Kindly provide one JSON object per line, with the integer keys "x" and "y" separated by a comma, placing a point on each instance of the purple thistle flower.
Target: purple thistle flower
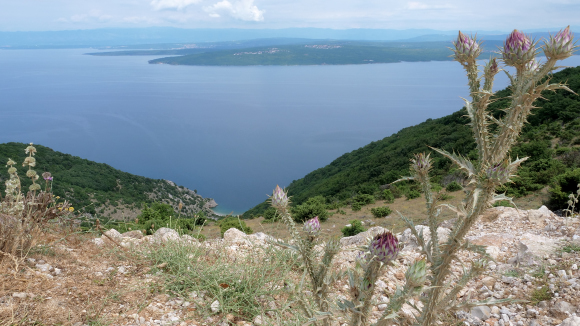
{"x": 279, "y": 198}
{"x": 465, "y": 48}
{"x": 312, "y": 226}
{"x": 561, "y": 46}
{"x": 492, "y": 66}
{"x": 533, "y": 66}
{"x": 518, "y": 49}
{"x": 384, "y": 247}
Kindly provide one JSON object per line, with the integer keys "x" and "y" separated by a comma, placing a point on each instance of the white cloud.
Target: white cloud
{"x": 240, "y": 9}
{"x": 173, "y": 4}
{"x": 413, "y": 5}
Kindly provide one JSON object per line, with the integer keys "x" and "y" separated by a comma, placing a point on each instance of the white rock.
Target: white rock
{"x": 234, "y": 235}
{"x": 571, "y": 321}
{"x": 165, "y": 234}
{"x": 113, "y": 234}
{"x": 44, "y": 267}
{"x": 493, "y": 251}
{"x": 20, "y": 295}
{"x": 98, "y": 241}
{"x": 574, "y": 267}
{"x": 57, "y": 271}
{"x": 531, "y": 245}
{"x": 411, "y": 242}
{"x": 481, "y": 312}
{"x": 362, "y": 238}
{"x": 382, "y": 307}
{"x": 215, "y": 306}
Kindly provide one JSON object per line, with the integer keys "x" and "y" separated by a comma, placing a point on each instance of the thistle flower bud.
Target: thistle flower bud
{"x": 279, "y": 198}
{"x": 518, "y": 49}
{"x": 498, "y": 173}
{"x": 384, "y": 247}
{"x": 30, "y": 149}
{"x": 491, "y": 68}
{"x": 466, "y": 48}
{"x": 561, "y": 46}
{"x": 29, "y": 161}
{"x": 421, "y": 163}
{"x": 416, "y": 275}
{"x": 312, "y": 226}
{"x": 533, "y": 66}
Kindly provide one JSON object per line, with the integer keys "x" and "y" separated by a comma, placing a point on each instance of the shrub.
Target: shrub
{"x": 412, "y": 194}
{"x": 364, "y": 199}
{"x": 151, "y": 226}
{"x": 354, "y": 228}
{"x": 453, "y": 186}
{"x": 313, "y": 207}
{"x": 234, "y": 222}
{"x": 356, "y": 206}
{"x": 270, "y": 214}
{"x": 396, "y": 192}
{"x": 381, "y": 211}
{"x": 503, "y": 203}
{"x": 388, "y": 196}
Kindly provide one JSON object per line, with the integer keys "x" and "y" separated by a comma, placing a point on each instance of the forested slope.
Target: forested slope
{"x": 551, "y": 140}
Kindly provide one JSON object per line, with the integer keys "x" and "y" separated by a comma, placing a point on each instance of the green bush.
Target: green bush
{"x": 397, "y": 193}
{"x": 503, "y": 203}
{"x": 151, "y": 226}
{"x": 354, "y": 228}
{"x": 313, "y": 207}
{"x": 412, "y": 194}
{"x": 564, "y": 185}
{"x": 388, "y": 196}
{"x": 381, "y": 211}
{"x": 185, "y": 224}
{"x": 234, "y": 222}
{"x": 271, "y": 214}
{"x": 356, "y": 206}
{"x": 364, "y": 199}
{"x": 453, "y": 186}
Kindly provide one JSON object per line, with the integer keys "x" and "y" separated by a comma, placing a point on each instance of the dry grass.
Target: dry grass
{"x": 413, "y": 209}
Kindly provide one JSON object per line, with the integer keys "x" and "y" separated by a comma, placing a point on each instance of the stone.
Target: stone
{"x": 536, "y": 246}
{"x": 491, "y": 239}
{"x": 98, "y": 241}
{"x": 481, "y": 312}
{"x": 571, "y": 321}
{"x": 135, "y": 234}
{"x": 260, "y": 236}
{"x": 382, "y": 307}
{"x": 234, "y": 235}
{"x": 113, "y": 234}
{"x": 488, "y": 281}
{"x": 21, "y": 295}
{"x": 361, "y": 238}
{"x": 538, "y": 216}
{"x": 165, "y": 234}
{"x": 493, "y": 251}
{"x": 411, "y": 242}
{"x": 562, "y": 309}
{"x": 44, "y": 267}
{"x": 215, "y": 306}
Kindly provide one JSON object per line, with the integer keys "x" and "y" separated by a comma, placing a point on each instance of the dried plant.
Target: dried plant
{"x": 22, "y": 216}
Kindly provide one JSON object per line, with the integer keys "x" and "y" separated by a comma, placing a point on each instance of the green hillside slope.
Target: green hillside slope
{"x": 97, "y": 188}
{"x": 551, "y": 139}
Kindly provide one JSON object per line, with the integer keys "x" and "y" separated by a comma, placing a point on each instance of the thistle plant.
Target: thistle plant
{"x": 316, "y": 267}
{"x": 494, "y": 138}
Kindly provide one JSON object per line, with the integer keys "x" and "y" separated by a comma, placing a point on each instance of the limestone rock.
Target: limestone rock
{"x": 481, "y": 312}
{"x": 136, "y": 234}
{"x": 571, "y": 321}
{"x": 112, "y": 233}
{"x": 411, "y": 242}
{"x": 562, "y": 309}
{"x": 165, "y": 234}
{"x": 234, "y": 235}
{"x": 362, "y": 238}
{"x": 532, "y": 245}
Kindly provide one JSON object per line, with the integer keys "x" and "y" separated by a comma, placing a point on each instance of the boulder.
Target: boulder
{"x": 135, "y": 234}
{"x": 538, "y": 216}
{"x": 562, "y": 309}
{"x": 495, "y": 213}
{"x": 536, "y": 246}
{"x": 112, "y": 233}
{"x": 234, "y": 235}
{"x": 362, "y": 238}
{"x": 260, "y": 236}
{"x": 571, "y": 321}
{"x": 165, "y": 234}
{"x": 411, "y": 242}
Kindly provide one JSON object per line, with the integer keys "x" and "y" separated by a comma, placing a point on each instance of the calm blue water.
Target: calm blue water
{"x": 232, "y": 133}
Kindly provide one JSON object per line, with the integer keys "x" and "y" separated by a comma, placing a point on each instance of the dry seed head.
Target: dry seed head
{"x": 10, "y": 162}
{"x": 30, "y": 149}
{"x": 31, "y": 173}
{"x": 34, "y": 186}
{"x": 29, "y": 161}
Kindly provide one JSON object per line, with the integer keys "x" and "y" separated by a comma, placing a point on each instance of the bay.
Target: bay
{"x": 231, "y": 133}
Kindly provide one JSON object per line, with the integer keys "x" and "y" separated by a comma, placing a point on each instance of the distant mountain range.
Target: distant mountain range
{"x": 114, "y": 37}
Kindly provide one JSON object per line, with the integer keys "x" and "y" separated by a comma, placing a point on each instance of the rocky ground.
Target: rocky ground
{"x": 76, "y": 280}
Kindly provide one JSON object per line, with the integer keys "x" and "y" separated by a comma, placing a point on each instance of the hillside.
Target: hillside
{"x": 551, "y": 139}
{"x": 97, "y": 188}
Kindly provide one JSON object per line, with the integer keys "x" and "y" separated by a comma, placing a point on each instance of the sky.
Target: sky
{"x": 497, "y": 15}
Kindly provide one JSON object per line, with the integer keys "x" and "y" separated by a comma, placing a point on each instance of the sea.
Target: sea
{"x": 231, "y": 133}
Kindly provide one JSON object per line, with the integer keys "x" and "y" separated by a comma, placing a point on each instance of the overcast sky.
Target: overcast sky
{"x": 490, "y": 15}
